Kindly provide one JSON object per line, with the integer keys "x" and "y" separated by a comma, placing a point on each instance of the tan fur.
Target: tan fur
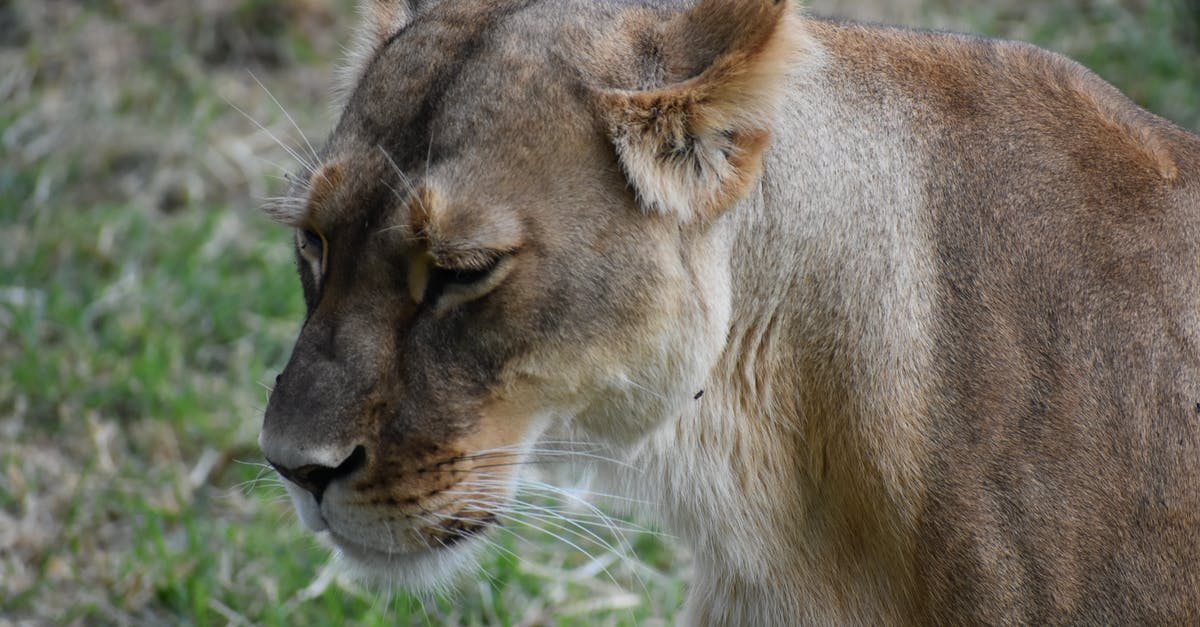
{"x": 720, "y": 118}
{"x": 380, "y": 19}
{"x": 940, "y": 294}
{"x": 324, "y": 185}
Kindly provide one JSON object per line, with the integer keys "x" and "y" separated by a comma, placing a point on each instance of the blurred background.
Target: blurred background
{"x": 145, "y": 304}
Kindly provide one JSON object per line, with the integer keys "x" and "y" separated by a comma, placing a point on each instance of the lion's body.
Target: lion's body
{"x": 967, "y": 390}
{"x": 945, "y": 322}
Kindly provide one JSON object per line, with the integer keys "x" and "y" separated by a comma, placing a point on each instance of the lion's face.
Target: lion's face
{"x": 483, "y": 265}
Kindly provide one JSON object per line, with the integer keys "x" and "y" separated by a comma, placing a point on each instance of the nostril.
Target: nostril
{"x": 316, "y": 477}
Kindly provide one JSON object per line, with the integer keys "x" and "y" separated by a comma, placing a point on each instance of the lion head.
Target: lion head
{"x": 515, "y": 230}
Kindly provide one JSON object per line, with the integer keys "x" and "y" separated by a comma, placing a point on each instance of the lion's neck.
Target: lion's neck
{"x": 796, "y": 477}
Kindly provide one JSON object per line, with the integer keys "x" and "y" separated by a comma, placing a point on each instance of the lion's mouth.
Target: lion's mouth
{"x": 455, "y": 531}
{"x": 447, "y": 535}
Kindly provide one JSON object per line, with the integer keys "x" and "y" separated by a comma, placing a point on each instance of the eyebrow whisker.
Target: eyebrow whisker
{"x": 311, "y": 150}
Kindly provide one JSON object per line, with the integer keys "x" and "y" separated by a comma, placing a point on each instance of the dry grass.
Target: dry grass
{"x": 142, "y": 299}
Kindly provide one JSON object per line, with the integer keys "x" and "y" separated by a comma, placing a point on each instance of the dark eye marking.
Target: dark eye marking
{"x": 460, "y": 276}
{"x": 441, "y": 278}
{"x": 311, "y": 243}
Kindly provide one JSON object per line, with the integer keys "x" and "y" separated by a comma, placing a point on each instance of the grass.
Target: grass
{"x": 1148, "y": 48}
{"x": 144, "y": 301}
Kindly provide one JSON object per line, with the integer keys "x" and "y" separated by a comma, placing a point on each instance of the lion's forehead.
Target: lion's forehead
{"x": 441, "y": 83}
{"x": 469, "y": 77}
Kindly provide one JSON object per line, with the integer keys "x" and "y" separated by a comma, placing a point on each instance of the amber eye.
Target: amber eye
{"x": 311, "y": 252}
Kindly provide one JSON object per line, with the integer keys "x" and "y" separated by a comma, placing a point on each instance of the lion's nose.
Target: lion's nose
{"x": 315, "y": 477}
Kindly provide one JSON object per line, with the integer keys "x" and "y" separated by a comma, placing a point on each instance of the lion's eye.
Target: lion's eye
{"x": 311, "y": 245}
{"x": 310, "y": 248}
{"x": 461, "y": 276}
{"x": 448, "y": 287}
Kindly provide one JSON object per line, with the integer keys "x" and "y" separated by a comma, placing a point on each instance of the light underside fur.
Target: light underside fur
{"x": 726, "y": 470}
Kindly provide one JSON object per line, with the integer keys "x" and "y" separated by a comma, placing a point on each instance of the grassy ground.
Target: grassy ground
{"x": 143, "y": 302}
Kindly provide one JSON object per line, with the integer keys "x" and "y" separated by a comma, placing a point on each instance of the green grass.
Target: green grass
{"x": 144, "y": 303}
{"x": 1150, "y": 49}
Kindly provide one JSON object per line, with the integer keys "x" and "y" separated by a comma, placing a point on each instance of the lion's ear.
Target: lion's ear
{"x": 378, "y": 21}
{"x": 694, "y": 146}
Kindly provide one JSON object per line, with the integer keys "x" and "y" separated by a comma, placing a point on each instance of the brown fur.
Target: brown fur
{"x": 940, "y": 292}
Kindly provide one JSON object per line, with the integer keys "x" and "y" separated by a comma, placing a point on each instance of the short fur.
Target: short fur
{"x": 940, "y": 294}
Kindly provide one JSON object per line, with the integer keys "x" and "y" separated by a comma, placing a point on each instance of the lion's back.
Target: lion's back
{"x": 1061, "y": 224}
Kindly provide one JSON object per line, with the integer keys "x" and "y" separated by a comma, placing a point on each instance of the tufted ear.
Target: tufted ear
{"x": 694, "y": 146}
{"x": 378, "y": 21}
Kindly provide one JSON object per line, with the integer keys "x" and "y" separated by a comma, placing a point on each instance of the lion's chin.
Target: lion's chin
{"x": 420, "y": 571}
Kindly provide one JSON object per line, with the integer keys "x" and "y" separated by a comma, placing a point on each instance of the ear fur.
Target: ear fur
{"x": 692, "y": 148}
{"x": 378, "y": 21}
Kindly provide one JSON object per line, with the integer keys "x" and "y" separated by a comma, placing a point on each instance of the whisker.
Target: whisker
{"x": 592, "y": 514}
{"x": 639, "y": 386}
{"x": 265, "y": 475}
{"x": 548, "y": 515}
{"x": 249, "y": 463}
{"x": 308, "y": 167}
{"x": 603, "y": 518}
{"x": 623, "y": 549}
{"x": 440, "y": 518}
{"x": 572, "y": 494}
{"x": 400, "y": 173}
{"x": 560, "y": 538}
{"x": 543, "y": 452}
{"x": 562, "y": 447}
{"x": 429, "y": 151}
{"x": 285, "y": 174}
{"x": 525, "y": 462}
{"x": 545, "y": 513}
{"x": 311, "y": 150}
{"x": 407, "y": 182}
{"x": 290, "y": 200}
{"x": 605, "y": 521}
{"x": 512, "y": 514}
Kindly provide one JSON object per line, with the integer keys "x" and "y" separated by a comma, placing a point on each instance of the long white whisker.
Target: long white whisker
{"x": 400, "y": 173}
{"x": 265, "y": 475}
{"x": 623, "y": 549}
{"x": 560, "y": 538}
{"x": 626, "y": 549}
{"x": 436, "y": 522}
{"x": 581, "y": 517}
{"x": 596, "y": 516}
{"x": 570, "y": 525}
{"x": 429, "y": 151}
{"x": 528, "y": 509}
{"x": 308, "y": 167}
{"x": 284, "y": 171}
{"x": 288, "y": 200}
{"x": 639, "y": 386}
{"x": 546, "y": 452}
{"x": 311, "y": 150}
{"x": 408, "y": 184}
{"x": 573, "y": 494}
{"x": 243, "y": 462}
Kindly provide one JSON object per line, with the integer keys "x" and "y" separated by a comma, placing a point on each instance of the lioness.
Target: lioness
{"x": 941, "y": 296}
